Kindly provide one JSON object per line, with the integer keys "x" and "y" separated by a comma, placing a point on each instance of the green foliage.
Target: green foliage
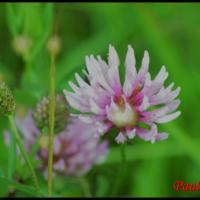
{"x": 170, "y": 33}
{"x": 33, "y": 20}
{"x": 13, "y": 185}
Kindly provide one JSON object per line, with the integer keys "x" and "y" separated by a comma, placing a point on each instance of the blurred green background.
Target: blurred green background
{"x": 171, "y": 34}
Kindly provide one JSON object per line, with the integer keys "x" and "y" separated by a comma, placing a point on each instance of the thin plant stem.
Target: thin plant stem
{"x": 123, "y": 155}
{"x": 23, "y": 150}
{"x": 120, "y": 177}
{"x": 85, "y": 186}
{"x": 51, "y": 122}
{"x": 12, "y": 156}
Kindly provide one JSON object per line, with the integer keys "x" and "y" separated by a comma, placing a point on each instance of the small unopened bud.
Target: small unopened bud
{"x": 22, "y": 44}
{"x": 41, "y": 114}
{"x": 7, "y": 103}
{"x": 54, "y": 45}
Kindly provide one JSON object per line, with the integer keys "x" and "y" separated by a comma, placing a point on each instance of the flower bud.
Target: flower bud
{"x": 22, "y": 44}
{"x": 7, "y": 103}
{"x": 41, "y": 114}
{"x": 54, "y": 45}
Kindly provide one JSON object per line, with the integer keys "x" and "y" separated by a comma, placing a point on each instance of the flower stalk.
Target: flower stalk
{"x": 51, "y": 122}
{"x": 85, "y": 186}
{"x": 12, "y": 156}
{"x": 121, "y": 172}
{"x": 7, "y": 108}
{"x": 23, "y": 150}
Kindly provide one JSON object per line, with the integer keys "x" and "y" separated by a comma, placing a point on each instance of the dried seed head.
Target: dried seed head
{"x": 54, "y": 45}
{"x": 22, "y": 44}
{"x": 7, "y": 103}
{"x": 41, "y": 114}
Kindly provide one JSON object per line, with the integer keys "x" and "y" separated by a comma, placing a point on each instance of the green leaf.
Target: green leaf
{"x": 47, "y": 28}
{"x": 102, "y": 186}
{"x": 146, "y": 151}
{"x": 34, "y": 20}
{"x": 189, "y": 145}
{"x": 12, "y": 19}
{"x": 15, "y": 185}
{"x": 147, "y": 171}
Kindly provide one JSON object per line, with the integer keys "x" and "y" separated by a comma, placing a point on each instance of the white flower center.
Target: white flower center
{"x": 122, "y": 116}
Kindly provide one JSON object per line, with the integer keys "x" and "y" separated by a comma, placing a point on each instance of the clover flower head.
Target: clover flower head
{"x": 75, "y": 148}
{"x": 7, "y": 102}
{"x": 134, "y": 107}
{"x": 41, "y": 113}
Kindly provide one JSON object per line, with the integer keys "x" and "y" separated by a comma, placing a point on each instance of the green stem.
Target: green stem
{"x": 51, "y": 123}
{"x": 29, "y": 78}
{"x": 23, "y": 150}
{"x": 120, "y": 177}
{"x": 12, "y": 156}
{"x": 85, "y": 186}
{"x": 123, "y": 155}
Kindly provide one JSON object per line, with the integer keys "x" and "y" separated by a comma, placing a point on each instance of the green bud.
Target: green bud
{"x": 7, "y": 102}
{"x": 22, "y": 44}
{"x": 54, "y": 45}
{"x": 41, "y": 114}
